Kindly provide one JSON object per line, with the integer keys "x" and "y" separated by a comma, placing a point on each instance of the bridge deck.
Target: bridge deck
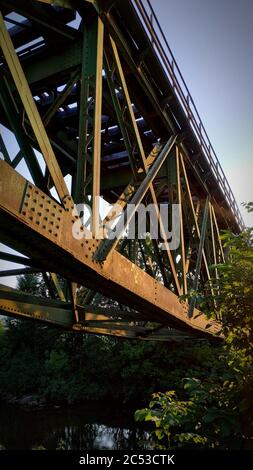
{"x": 138, "y": 99}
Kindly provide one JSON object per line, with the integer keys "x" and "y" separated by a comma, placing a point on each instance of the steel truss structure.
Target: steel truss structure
{"x": 93, "y": 86}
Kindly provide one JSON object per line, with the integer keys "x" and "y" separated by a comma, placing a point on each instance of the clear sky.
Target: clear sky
{"x": 212, "y": 41}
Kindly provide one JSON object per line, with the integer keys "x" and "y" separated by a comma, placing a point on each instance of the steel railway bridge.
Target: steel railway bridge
{"x": 94, "y": 87}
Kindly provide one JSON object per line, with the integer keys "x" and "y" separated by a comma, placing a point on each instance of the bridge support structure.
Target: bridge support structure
{"x": 85, "y": 101}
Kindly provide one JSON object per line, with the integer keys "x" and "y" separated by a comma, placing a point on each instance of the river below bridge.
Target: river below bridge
{"x": 84, "y": 427}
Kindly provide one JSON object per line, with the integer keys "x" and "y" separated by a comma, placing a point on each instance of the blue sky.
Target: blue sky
{"x": 212, "y": 41}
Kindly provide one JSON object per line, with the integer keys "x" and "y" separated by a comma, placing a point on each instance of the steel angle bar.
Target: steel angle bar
{"x": 96, "y": 156}
{"x": 143, "y": 158}
{"x": 128, "y": 192}
{"x": 218, "y": 235}
{"x": 17, "y": 159}
{"x": 32, "y": 111}
{"x": 182, "y": 244}
{"x": 108, "y": 245}
{"x": 193, "y": 211}
{"x": 15, "y": 304}
{"x": 4, "y": 151}
{"x": 119, "y": 114}
{"x": 199, "y": 256}
{"x": 60, "y": 99}
{"x": 19, "y": 271}
{"x": 15, "y": 122}
{"x": 213, "y": 240}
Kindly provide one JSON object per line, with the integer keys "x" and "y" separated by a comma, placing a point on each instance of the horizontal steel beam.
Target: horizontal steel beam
{"x": 93, "y": 319}
{"x": 30, "y": 213}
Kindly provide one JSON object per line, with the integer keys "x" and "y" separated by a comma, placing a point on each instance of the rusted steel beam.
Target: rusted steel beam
{"x": 26, "y": 210}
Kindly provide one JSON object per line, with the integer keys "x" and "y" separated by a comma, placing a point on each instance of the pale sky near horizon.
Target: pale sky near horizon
{"x": 212, "y": 41}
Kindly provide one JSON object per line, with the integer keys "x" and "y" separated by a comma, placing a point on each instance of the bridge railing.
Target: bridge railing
{"x": 164, "y": 53}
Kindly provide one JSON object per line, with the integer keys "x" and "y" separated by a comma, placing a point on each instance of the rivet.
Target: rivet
{"x": 24, "y": 212}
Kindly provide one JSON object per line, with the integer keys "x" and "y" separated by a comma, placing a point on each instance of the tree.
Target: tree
{"x": 216, "y": 410}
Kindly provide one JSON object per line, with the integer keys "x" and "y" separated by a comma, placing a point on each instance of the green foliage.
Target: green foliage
{"x": 215, "y": 409}
{"x": 204, "y": 417}
{"x": 32, "y": 284}
{"x": 71, "y": 367}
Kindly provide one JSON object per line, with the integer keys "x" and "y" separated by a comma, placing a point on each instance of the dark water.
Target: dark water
{"x": 85, "y": 427}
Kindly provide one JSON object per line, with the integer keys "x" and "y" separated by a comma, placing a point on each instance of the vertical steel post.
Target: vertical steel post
{"x": 96, "y": 156}
{"x": 199, "y": 256}
{"x": 218, "y": 236}
{"x": 182, "y": 245}
{"x": 91, "y": 92}
{"x": 213, "y": 239}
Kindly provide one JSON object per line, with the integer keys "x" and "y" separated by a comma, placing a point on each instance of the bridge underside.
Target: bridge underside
{"x": 89, "y": 88}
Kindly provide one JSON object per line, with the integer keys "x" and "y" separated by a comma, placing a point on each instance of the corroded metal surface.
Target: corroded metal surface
{"x": 92, "y": 88}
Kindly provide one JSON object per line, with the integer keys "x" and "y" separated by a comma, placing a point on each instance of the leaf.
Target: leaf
{"x": 140, "y": 415}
